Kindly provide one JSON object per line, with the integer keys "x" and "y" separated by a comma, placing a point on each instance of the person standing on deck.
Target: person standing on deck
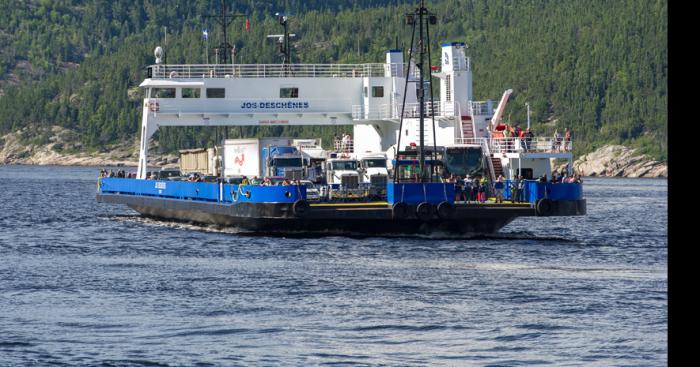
{"x": 514, "y": 190}
{"x": 483, "y": 188}
{"x": 528, "y": 139}
{"x": 498, "y": 188}
{"x": 467, "y": 191}
{"x": 475, "y": 189}
{"x": 458, "y": 187}
{"x": 567, "y": 140}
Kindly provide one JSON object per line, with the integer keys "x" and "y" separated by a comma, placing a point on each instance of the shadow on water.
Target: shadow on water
{"x": 183, "y": 225}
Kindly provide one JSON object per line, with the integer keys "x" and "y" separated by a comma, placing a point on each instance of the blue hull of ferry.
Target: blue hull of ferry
{"x": 284, "y": 210}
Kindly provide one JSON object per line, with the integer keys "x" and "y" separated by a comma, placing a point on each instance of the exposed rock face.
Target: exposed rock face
{"x": 619, "y": 161}
{"x": 14, "y": 151}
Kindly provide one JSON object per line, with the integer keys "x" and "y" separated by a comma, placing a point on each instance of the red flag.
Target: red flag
{"x": 247, "y": 24}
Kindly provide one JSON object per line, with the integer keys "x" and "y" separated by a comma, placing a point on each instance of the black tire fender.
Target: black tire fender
{"x": 300, "y": 208}
{"x": 424, "y": 211}
{"x": 544, "y": 207}
{"x": 399, "y": 210}
{"x": 445, "y": 210}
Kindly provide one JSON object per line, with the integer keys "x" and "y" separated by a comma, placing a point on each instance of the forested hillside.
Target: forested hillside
{"x": 599, "y": 67}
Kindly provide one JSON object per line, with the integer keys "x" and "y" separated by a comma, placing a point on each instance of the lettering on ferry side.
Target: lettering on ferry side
{"x": 160, "y": 185}
{"x": 274, "y": 105}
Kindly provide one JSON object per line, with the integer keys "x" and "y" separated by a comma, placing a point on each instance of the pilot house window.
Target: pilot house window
{"x": 377, "y": 91}
{"x": 191, "y": 92}
{"x": 162, "y": 92}
{"x": 216, "y": 92}
{"x": 289, "y": 92}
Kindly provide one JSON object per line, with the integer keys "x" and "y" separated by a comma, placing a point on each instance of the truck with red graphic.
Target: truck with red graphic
{"x": 262, "y": 157}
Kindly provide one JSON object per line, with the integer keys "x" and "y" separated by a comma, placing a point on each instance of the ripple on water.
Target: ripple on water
{"x": 84, "y": 283}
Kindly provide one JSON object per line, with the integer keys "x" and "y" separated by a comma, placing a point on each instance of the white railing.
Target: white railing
{"x": 344, "y": 146}
{"x": 533, "y": 145}
{"x": 198, "y": 71}
{"x": 479, "y": 108}
{"x": 471, "y": 141}
{"x": 519, "y": 145}
{"x": 411, "y": 110}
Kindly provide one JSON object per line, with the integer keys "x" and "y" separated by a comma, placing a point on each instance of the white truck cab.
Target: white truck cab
{"x": 343, "y": 172}
{"x": 374, "y": 173}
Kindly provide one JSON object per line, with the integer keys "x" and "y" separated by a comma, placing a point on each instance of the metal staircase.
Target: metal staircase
{"x": 467, "y": 128}
{"x": 497, "y": 168}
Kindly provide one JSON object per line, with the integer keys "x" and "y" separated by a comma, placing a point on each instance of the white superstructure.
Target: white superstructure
{"x": 368, "y": 96}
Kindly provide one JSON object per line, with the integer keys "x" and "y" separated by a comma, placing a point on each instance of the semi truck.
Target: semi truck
{"x": 374, "y": 173}
{"x": 343, "y": 178}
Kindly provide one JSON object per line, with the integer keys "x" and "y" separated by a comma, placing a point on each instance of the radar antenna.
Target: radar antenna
{"x": 283, "y": 39}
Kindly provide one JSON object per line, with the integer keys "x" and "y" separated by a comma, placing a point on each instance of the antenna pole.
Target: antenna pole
{"x": 403, "y": 104}
{"x": 421, "y": 92}
{"x": 224, "y": 20}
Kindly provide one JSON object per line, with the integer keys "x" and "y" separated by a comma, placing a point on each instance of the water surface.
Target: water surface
{"x": 85, "y": 283}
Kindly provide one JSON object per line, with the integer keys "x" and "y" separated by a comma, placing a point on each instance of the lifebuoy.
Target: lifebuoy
{"x": 445, "y": 210}
{"x": 300, "y": 207}
{"x": 544, "y": 207}
{"x": 399, "y": 210}
{"x": 154, "y": 106}
{"x": 424, "y": 211}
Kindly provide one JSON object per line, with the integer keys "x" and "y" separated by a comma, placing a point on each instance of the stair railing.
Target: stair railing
{"x": 487, "y": 153}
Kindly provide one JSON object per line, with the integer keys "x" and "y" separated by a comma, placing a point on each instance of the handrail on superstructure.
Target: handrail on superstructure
{"x": 532, "y": 145}
{"x": 487, "y": 153}
{"x": 205, "y": 71}
{"x": 392, "y": 111}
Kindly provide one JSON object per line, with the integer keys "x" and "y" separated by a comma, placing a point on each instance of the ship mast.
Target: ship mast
{"x": 283, "y": 42}
{"x": 421, "y": 13}
{"x": 224, "y": 21}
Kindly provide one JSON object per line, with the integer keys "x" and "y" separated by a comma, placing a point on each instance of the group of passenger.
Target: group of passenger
{"x": 266, "y": 181}
{"x": 478, "y": 188}
{"x": 117, "y": 174}
{"x": 558, "y": 139}
{"x": 560, "y": 143}
{"x": 561, "y": 178}
{"x": 473, "y": 189}
{"x": 524, "y": 136}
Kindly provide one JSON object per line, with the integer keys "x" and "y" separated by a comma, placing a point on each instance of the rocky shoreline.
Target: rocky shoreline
{"x": 608, "y": 161}
{"x": 618, "y": 161}
{"x": 62, "y": 150}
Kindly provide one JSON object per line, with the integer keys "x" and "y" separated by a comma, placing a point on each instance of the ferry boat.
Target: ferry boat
{"x": 426, "y": 142}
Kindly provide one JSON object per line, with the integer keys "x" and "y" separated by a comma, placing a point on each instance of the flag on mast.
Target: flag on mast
{"x": 247, "y": 24}
{"x": 205, "y": 34}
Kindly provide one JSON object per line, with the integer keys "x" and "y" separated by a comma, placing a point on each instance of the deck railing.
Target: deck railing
{"x": 393, "y": 111}
{"x": 532, "y": 145}
{"x": 198, "y": 71}
{"x": 520, "y": 145}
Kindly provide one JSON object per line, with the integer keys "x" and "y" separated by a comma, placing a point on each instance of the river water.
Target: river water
{"x": 84, "y": 283}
